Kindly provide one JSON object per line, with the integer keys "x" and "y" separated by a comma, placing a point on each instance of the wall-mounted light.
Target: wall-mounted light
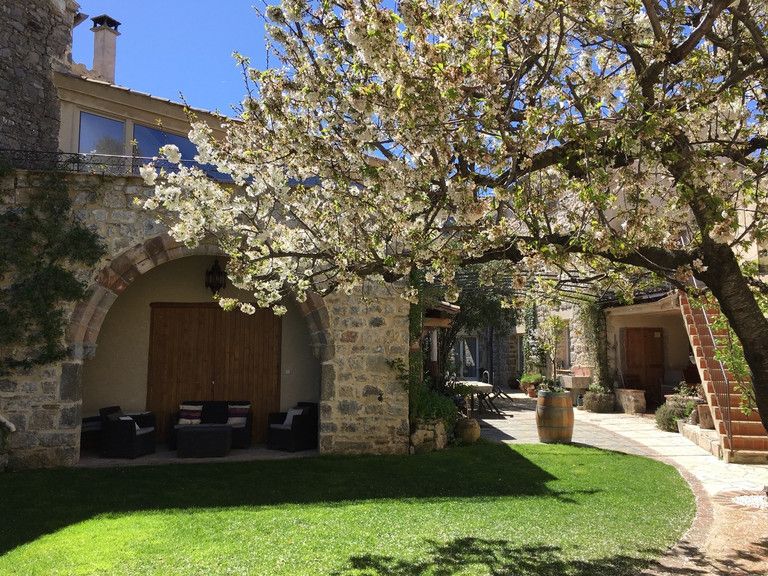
{"x": 215, "y": 278}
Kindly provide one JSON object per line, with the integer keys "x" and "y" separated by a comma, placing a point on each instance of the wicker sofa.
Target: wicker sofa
{"x": 215, "y": 412}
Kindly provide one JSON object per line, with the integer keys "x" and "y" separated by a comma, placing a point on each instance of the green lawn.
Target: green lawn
{"x": 485, "y": 509}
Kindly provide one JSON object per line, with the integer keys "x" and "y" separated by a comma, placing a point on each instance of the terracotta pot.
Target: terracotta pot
{"x": 467, "y": 430}
{"x": 531, "y": 391}
{"x": 554, "y": 417}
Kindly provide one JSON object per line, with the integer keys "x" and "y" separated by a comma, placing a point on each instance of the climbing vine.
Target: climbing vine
{"x": 592, "y": 321}
{"x": 41, "y": 244}
{"x": 534, "y": 355}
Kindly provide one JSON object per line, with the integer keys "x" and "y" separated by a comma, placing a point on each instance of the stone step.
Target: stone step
{"x": 701, "y": 340}
{"x": 719, "y": 387}
{"x": 745, "y": 456}
{"x": 743, "y": 428}
{"x": 712, "y": 372}
{"x": 736, "y": 415}
{"x": 722, "y": 400}
{"x": 756, "y": 443}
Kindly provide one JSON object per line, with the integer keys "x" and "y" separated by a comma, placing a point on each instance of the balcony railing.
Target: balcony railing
{"x": 101, "y": 164}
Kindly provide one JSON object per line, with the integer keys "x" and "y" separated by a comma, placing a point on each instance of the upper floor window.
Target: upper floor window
{"x": 100, "y": 135}
{"x": 147, "y": 141}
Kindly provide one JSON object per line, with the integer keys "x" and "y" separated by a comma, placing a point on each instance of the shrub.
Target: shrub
{"x": 530, "y": 378}
{"x": 666, "y": 418}
{"x": 668, "y": 414}
{"x": 597, "y": 388}
{"x": 428, "y": 404}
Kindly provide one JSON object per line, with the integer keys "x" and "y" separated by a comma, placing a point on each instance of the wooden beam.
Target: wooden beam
{"x": 437, "y": 322}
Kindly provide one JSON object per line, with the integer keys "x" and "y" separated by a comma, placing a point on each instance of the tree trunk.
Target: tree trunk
{"x": 730, "y": 288}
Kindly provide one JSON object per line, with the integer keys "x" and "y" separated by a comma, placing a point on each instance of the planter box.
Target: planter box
{"x": 600, "y": 403}
{"x": 576, "y": 385}
{"x": 631, "y": 401}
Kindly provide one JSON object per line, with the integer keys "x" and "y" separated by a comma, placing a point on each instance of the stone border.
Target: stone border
{"x": 688, "y": 552}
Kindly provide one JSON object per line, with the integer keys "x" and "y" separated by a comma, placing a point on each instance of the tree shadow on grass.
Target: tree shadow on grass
{"x": 496, "y": 557}
{"x": 34, "y": 503}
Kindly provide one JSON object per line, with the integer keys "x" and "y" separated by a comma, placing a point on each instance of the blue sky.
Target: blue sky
{"x": 174, "y": 46}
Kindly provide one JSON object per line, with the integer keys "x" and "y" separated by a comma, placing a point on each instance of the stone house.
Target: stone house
{"x": 148, "y": 335}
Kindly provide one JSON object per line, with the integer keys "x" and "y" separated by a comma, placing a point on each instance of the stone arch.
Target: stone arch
{"x": 89, "y": 314}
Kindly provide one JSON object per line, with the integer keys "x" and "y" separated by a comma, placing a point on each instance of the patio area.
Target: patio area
{"x": 730, "y": 533}
{"x": 164, "y": 455}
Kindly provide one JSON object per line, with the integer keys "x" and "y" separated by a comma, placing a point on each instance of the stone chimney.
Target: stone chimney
{"x": 105, "y": 46}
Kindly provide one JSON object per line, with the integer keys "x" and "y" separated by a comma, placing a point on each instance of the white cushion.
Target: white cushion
{"x": 132, "y": 420}
{"x": 291, "y": 413}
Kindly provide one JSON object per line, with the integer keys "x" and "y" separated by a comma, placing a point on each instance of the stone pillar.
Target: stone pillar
{"x": 363, "y": 405}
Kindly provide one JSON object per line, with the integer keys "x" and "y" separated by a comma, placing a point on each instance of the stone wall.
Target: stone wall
{"x": 45, "y": 403}
{"x": 35, "y": 37}
{"x": 364, "y": 408}
{"x": 505, "y": 359}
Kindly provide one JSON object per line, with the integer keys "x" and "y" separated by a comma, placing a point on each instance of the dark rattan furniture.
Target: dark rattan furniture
{"x": 215, "y": 412}
{"x": 301, "y": 434}
{"x": 203, "y": 440}
{"x": 126, "y": 435}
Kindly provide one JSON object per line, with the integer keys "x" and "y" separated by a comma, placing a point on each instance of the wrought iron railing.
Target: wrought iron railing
{"x": 72, "y": 162}
{"x": 102, "y": 164}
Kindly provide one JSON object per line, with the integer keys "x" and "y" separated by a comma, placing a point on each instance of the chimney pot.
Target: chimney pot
{"x": 105, "y": 20}
{"x": 105, "y": 46}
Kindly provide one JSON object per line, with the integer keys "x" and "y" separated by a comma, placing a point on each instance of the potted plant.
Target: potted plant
{"x": 599, "y": 399}
{"x": 530, "y": 381}
{"x": 554, "y": 413}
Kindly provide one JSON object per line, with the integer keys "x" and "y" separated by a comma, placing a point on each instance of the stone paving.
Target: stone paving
{"x": 725, "y": 539}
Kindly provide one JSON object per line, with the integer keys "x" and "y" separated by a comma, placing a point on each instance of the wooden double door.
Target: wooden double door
{"x": 201, "y": 352}
{"x": 644, "y": 362}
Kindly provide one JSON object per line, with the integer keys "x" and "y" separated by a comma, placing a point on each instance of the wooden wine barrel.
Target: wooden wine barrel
{"x": 554, "y": 417}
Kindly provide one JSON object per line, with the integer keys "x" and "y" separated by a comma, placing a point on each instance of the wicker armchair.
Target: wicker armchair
{"x": 299, "y": 434}
{"x": 126, "y": 436}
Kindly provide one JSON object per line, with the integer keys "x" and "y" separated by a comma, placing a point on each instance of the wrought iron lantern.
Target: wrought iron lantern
{"x": 215, "y": 278}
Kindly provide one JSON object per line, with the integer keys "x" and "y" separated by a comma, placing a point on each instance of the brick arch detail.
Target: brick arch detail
{"x": 112, "y": 280}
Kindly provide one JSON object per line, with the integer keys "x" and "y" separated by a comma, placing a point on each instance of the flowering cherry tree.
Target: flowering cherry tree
{"x": 587, "y": 138}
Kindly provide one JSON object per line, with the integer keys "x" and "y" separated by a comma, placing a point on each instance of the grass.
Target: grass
{"x": 485, "y": 509}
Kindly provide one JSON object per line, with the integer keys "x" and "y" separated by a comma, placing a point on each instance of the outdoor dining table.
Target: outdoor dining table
{"x": 484, "y": 393}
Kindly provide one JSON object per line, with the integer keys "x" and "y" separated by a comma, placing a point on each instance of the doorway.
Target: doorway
{"x": 197, "y": 351}
{"x": 644, "y": 362}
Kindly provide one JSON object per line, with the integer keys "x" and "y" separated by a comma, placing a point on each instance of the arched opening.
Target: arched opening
{"x": 113, "y": 333}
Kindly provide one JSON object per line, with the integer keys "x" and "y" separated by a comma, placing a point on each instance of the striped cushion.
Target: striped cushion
{"x": 238, "y": 414}
{"x": 190, "y": 413}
